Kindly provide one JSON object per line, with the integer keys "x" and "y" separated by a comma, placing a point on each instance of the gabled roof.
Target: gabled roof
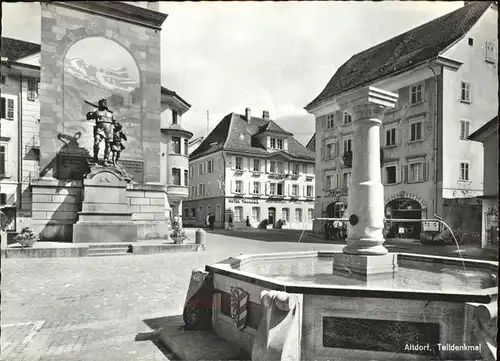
{"x": 480, "y": 134}
{"x": 311, "y": 144}
{"x": 14, "y": 49}
{"x": 234, "y": 133}
{"x": 402, "y": 52}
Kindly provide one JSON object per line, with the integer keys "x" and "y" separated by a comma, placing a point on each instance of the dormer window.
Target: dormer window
{"x": 276, "y": 143}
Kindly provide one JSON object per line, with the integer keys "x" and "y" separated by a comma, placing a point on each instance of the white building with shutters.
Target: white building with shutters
{"x": 251, "y": 168}
{"x": 447, "y": 84}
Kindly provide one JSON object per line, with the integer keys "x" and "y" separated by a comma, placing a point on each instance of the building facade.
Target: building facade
{"x": 446, "y": 89}
{"x": 488, "y": 136}
{"x": 194, "y": 143}
{"x": 250, "y": 168}
{"x": 46, "y": 140}
{"x": 175, "y": 151}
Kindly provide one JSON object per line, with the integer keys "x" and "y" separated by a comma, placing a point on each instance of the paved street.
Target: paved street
{"x": 93, "y": 308}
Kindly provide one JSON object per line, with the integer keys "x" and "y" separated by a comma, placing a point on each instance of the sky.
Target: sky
{"x": 223, "y": 57}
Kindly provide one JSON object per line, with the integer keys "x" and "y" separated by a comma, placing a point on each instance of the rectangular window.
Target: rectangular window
{"x": 210, "y": 165}
{"x": 272, "y": 143}
{"x": 295, "y": 190}
{"x": 416, "y": 172}
{"x": 330, "y": 121}
{"x": 272, "y": 188}
{"x": 310, "y": 213}
{"x": 256, "y": 165}
{"x": 176, "y": 176}
{"x": 256, "y": 188}
{"x": 329, "y": 150}
{"x": 175, "y": 115}
{"x": 2, "y": 79}
{"x": 200, "y": 169}
{"x": 238, "y": 187}
{"x": 347, "y": 145}
{"x": 186, "y": 147}
{"x": 465, "y": 92}
{"x": 285, "y": 214}
{"x": 464, "y": 171}
{"x": 176, "y": 145}
{"x": 256, "y": 214}
{"x": 416, "y": 94}
{"x": 309, "y": 191}
{"x": 186, "y": 178}
{"x": 415, "y": 131}
{"x": 193, "y": 212}
{"x": 347, "y": 118}
{"x": 304, "y": 168}
{"x": 329, "y": 182}
{"x": 7, "y": 108}
{"x": 298, "y": 215}
{"x": 279, "y": 189}
{"x": 390, "y": 137}
{"x": 279, "y": 143}
{"x": 186, "y": 212}
{"x": 295, "y": 168}
{"x": 390, "y": 174}
{"x": 272, "y": 166}
{"x": 3, "y": 161}
{"x": 490, "y": 53}
{"x": 238, "y": 214}
{"x": 32, "y": 89}
{"x": 346, "y": 178}
{"x": 239, "y": 163}
{"x": 464, "y": 129}
{"x": 280, "y": 167}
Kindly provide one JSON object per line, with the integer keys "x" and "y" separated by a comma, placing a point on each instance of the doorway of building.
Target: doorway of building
{"x": 271, "y": 215}
{"x": 404, "y": 208}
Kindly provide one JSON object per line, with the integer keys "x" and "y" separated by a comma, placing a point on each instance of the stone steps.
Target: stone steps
{"x": 100, "y": 250}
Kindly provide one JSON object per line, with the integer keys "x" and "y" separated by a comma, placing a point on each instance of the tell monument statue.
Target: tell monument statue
{"x": 108, "y": 129}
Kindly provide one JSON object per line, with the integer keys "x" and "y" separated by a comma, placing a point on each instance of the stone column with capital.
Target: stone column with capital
{"x": 366, "y": 191}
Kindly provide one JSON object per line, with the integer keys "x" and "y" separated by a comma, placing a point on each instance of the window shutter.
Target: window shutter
{"x": 231, "y": 187}
{"x": 425, "y": 171}
{"x": 233, "y": 162}
{"x": 398, "y": 174}
{"x": 285, "y": 144}
{"x": 266, "y": 186}
{"x": 322, "y": 151}
{"x": 289, "y": 190}
{"x": 268, "y": 166}
{"x": 470, "y": 92}
{"x": 268, "y": 142}
{"x": 405, "y": 173}
{"x": 304, "y": 191}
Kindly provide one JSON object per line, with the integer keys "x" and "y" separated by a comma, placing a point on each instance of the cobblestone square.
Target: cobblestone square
{"x": 92, "y": 308}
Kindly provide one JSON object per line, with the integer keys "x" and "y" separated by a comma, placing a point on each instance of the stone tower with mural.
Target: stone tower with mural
{"x": 92, "y": 51}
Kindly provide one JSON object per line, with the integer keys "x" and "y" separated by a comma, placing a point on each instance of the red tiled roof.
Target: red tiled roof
{"x": 402, "y": 52}
{"x": 14, "y": 49}
{"x": 234, "y": 133}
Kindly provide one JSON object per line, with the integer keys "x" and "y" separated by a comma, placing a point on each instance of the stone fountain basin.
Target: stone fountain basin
{"x": 427, "y": 300}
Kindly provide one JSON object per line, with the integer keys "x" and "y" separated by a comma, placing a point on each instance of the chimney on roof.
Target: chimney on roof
{"x": 248, "y": 115}
{"x": 265, "y": 115}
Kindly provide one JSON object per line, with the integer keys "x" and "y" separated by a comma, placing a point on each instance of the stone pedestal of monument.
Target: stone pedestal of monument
{"x": 105, "y": 215}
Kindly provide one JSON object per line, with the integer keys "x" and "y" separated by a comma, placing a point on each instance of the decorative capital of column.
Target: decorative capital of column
{"x": 368, "y": 102}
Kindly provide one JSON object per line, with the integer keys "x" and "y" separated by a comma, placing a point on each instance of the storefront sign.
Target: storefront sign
{"x": 337, "y": 192}
{"x": 430, "y": 226}
{"x": 243, "y": 200}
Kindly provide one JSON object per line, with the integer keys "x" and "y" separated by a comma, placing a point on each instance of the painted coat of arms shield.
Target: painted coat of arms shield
{"x": 239, "y": 310}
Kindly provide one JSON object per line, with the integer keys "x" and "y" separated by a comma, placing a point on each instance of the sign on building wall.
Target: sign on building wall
{"x": 430, "y": 226}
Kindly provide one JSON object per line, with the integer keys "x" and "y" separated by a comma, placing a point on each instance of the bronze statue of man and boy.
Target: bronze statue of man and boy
{"x": 106, "y": 129}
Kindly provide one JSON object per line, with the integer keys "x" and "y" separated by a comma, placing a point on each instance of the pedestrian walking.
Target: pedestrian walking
{"x": 247, "y": 222}
{"x": 231, "y": 225}
{"x": 212, "y": 221}
{"x": 207, "y": 220}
